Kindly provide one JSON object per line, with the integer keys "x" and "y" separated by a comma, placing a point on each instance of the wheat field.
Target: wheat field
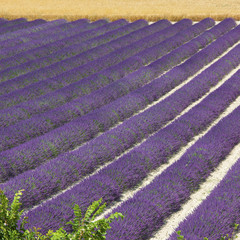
{"x": 112, "y": 9}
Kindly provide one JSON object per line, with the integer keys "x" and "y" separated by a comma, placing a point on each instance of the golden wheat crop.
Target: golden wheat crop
{"x": 153, "y": 10}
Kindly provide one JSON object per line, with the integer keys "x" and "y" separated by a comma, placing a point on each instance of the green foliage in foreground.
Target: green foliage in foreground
{"x": 84, "y": 228}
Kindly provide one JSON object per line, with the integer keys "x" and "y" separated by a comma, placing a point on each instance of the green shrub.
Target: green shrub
{"x": 86, "y": 228}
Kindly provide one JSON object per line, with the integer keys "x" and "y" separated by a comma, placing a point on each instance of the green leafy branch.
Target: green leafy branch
{"x": 83, "y": 228}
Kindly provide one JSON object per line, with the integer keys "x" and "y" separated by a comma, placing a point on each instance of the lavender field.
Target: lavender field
{"x": 143, "y": 115}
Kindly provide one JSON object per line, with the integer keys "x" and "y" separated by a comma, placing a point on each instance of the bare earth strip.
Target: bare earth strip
{"x": 153, "y": 10}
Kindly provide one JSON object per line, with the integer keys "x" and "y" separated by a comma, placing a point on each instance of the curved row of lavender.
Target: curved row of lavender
{"x": 117, "y": 52}
{"x": 86, "y": 32}
{"x": 50, "y": 28}
{"x": 2, "y": 21}
{"x": 20, "y": 33}
{"x": 5, "y": 23}
{"x": 86, "y": 41}
{"x": 52, "y": 43}
{"x": 221, "y": 210}
{"x": 82, "y": 37}
{"x": 137, "y": 130}
{"x": 130, "y": 169}
{"x": 6, "y": 33}
{"x": 83, "y": 132}
{"x": 96, "y": 47}
{"x": 87, "y": 85}
{"x": 11, "y": 51}
{"x": 77, "y": 76}
{"x": 11, "y": 136}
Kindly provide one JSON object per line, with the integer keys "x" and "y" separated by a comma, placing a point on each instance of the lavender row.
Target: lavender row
{"x": 80, "y": 58}
{"x": 112, "y": 143}
{"x": 42, "y": 123}
{"x": 23, "y": 25}
{"x": 74, "y": 33}
{"x": 3, "y": 21}
{"x": 45, "y": 55}
{"x": 46, "y": 30}
{"x": 79, "y": 72}
{"x": 69, "y": 94}
{"x": 53, "y": 43}
{"x": 71, "y": 135}
{"x": 126, "y": 173}
{"x": 8, "y": 32}
{"x": 216, "y": 216}
{"x": 94, "y": 82}
{"x": 33, "y": 26}
{"x": 133, "y": 31}
{"x": 48, "y": 44}
{"x": 84, "y": 57}
{"x": 110, "y": 75}
{"x": 226, "y": 23}
{"x": 17, "y": 113}
{"x": 13, "y": 22}
{"x": 22, "y": 36}
{"x": 112, "y": 31}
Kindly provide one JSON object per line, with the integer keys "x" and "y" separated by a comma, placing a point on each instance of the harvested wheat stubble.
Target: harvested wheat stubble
{"x": 133, "y": 137}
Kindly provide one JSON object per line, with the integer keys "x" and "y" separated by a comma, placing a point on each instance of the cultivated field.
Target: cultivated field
{"x": 153, "y": 10}
{"x": 146, "y": 116}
